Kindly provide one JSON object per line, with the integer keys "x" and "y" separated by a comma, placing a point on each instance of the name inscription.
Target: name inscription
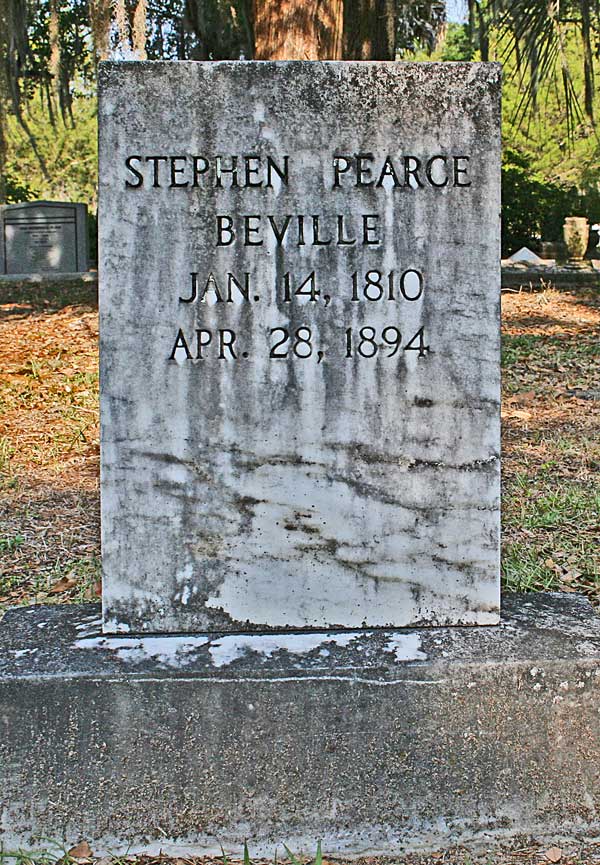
{"x": 343, "y": 173}
{"x": 253, "y": 171}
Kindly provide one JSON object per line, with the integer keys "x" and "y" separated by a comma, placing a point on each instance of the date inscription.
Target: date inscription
{"x": 365, "y": 342}
{"x": 372, "y": 286}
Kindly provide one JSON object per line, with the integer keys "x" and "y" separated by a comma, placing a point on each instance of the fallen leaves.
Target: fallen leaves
{"x": 49, "y": 391}
{"x": 520, "y": 414}
{"x": 551, "y": 440}
{"x": 524, "y": 398}
{"x": 62, "y": 585}
{"x": 81, "y": 852}
{"x": 572, "y": 853}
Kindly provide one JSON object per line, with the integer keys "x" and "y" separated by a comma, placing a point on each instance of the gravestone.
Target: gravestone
{"x": 300, "y": 393}
{"x": 299, "y": 345}
{"x": 43, "y": 237}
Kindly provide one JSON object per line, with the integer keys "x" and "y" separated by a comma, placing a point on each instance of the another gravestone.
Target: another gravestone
{"x": 299, "y": 344}
{"x": 43, "y": 237}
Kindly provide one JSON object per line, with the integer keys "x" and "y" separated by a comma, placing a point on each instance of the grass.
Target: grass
{"x": 551, "y": 442}
{"x": 7, "y": 481}
{"x": 8, "y": 544}
{"x": 49, "y": 521}
{"x": 538, "y": 503}
{"x": 75, "y": 580}
{"x": 549, "y": 361}
{"x": 29, "y": 857}
{"x": 549, "y": 349}
{"x": 560, "y": 530}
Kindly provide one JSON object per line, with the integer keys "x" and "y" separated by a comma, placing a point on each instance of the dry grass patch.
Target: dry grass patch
{"x": 49, "y": 449}
{"x": 551, "y": 441}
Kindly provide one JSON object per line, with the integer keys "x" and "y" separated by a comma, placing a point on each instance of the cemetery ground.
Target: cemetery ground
{"x": 522, "y": 852}
{"x": 49, "y": 509}
{"x": 49, "y": 447}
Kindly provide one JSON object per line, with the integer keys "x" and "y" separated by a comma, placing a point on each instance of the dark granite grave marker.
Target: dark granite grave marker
{"x": 43, "y": 237}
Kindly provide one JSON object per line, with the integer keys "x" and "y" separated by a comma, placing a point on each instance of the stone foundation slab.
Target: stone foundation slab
{"x": 374, "y": 742}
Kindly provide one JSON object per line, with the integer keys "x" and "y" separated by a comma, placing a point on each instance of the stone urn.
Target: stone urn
{"x": 576, "y": 232}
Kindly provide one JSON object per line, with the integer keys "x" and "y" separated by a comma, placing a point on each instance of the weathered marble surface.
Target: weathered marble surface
{"x": 43, "y": 237}
{"x": 263, "y": 492}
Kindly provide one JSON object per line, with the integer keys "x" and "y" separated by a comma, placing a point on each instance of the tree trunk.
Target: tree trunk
{"x": 3, "y": 106}
{"x": 54, "y": 61}
{"x": 122, "y": 25}
{"x": 483, "y": 35}
{"x": 369, "y": 30}
{"x": 4, "y": 96}
{"x": 588, "y": 62}
{"x": 138, "y": 30}
{"x": 194, "y": 20}
{"x": 298, "y": 29}
{"x": 100, "y": 17}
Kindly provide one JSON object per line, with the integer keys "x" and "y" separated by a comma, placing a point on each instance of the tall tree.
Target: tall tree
{"x": 100, "y": 20}
{"x": 17, "y": 57}
{"x": 298, "y": 29}
{"x": 4, "y": 98}
{"x": 369, "y": 29}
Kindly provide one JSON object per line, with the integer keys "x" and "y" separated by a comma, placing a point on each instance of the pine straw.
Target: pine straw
{"x": 49, "y": 514}
{"x": 551, "y": 441}
{"x": 49, "y": 452}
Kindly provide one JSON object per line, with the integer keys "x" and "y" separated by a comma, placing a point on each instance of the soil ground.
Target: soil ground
{"x": 49, "y": 491}
{"x": 522, "y": 852}
{"x": 49, "y": 448}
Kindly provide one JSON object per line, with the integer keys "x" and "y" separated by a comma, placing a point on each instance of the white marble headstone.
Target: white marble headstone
{"x": 300, "y": 293}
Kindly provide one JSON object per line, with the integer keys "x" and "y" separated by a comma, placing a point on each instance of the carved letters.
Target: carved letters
{"x": 410, "y": 174}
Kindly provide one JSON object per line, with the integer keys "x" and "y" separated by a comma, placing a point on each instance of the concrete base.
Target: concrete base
{"x": 568, "y": 276}
{"x": 19, "y": 280}
{"x": 371, "y": 741}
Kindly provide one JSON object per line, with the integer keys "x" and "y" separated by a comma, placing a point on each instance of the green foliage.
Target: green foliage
{"x": 532, "y": 208}
{"x": 17, "y": 189}
{"x": 56, "y": 854}
{"x": 49, "y": 855}
{"x": 527, "y": 347}
{"x": 543, "y": 137}
{"x": 457, "y": 44}
{"x": 76, "y": 61}
{"x": 547, "y": 173}
{"x": 293, "y": 859}
{"x": 69, "y": 150}
{"x": 543, "y": 511}
{"x": 12, "y": 543}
